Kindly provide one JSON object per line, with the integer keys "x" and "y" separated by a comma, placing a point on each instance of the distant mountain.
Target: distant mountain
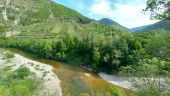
{"x": 139, "y": 28}
{"x": 164, "y": 24}
{"x": 114, "y": 24}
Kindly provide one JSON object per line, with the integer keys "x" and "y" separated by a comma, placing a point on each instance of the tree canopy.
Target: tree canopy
{"x": 159, "y": 9}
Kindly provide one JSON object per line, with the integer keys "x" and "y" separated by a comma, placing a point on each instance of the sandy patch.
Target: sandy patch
{"x": 87, "y": 74}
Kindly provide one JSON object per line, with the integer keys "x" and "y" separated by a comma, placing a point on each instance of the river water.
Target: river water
{"x": 74, "y": 79}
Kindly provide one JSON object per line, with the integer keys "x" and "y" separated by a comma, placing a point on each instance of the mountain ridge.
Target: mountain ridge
{"x": 114, "y": 24}
{"x": 163, "y": 24}
{"x": 138, "y": 28}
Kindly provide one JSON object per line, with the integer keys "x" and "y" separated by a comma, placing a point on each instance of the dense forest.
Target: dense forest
{"x": 62, "y": 34}
{"x": 110, "y": 53}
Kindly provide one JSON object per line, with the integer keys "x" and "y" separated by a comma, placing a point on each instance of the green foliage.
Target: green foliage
{"x": 4, "y": 91}
{"x": 110, "y": 53}
{"x": 95, "y": 58}
{"x": 158, "y": 8}
{"x": 9, "y": 55}
{"x": 147, "y": 68}
{"x": 20, "y": 90}
{"x": 80, "y": 40}
{"x": 116, "y": 91}
{"x": 113, "y": 24}
{"x": 62, "y": 11}
{"x": 11, "y": 17}
{"x": 2, "y": 29}
{"x": 163, "y": 24}
{"x": 152, "y": 89}
{"x": 113, "y": 91}
{"x": 22, "y": 72}
{"x": 11, "y": 86}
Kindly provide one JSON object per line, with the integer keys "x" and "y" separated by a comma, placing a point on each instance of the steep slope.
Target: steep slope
{"x": 29, "y": 17}
{"x": 164, "y": 24}
{"x": 139, "y": 28}
{"x": 113, "y": 24}
{"x": 56, "y": 32}
{"x": 44, "y": 19}
{"x": 25, "y": 12}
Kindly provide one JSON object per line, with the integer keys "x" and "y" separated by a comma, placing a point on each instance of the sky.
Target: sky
{"x": 126, "y": 12}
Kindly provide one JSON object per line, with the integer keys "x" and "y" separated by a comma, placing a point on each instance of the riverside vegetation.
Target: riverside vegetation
{"x": 20, "y": 82}
{"x": 62, "y": 34}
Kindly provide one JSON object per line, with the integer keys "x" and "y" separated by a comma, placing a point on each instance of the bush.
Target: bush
{"x": 152, "y": 89}
{"x": 20, "y": 90}
{"x": 2, "y": 29}
{"x": 10, "y": 86}
{"x": 22, "y": 72}
{"x": 9, "y": 55}
{"x": 116, "y": 91}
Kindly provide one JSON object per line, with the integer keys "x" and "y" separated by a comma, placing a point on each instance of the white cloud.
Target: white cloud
{"x": 101, "y": 8}
{"x": 129, "y": 15}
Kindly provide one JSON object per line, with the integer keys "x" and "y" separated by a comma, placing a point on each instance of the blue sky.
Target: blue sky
{"x": 126, "y": 12}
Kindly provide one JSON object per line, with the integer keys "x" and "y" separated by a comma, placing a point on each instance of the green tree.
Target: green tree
{"x": 60, "y": 50}
{"x": 159, "y": 8}
{"x": 95, "y": 58}
{"x": 47, "y": 50}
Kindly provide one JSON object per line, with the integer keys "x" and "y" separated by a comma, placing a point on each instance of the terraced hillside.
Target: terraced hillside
{"x": 27, "y": 17}
{"x": 56, "y": 32}
{"x": 43, "y": 19}
{"x": 53, "y": 31}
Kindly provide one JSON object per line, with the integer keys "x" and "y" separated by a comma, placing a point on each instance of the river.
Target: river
{"x": 74, "y": 79}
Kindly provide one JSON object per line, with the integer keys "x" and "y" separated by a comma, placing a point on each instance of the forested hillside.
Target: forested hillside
{"x": 113, "y": 24}
{"x": 137, "y": 29}
{"x": 62, "y": 34}
{"x": 56, "y": 32}
{"x": 163, "y": 24}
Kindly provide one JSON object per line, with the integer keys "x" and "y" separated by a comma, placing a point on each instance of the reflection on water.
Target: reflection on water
{"x": 74, "y": 79}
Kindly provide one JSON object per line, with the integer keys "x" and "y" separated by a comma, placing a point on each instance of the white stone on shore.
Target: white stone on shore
{"x": 43, "y": 72}
{"x": 115, "y": 80}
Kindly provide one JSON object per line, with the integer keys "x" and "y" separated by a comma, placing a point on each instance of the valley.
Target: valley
{"x": 71, "y": 77}
{"x": 48, "y": 49}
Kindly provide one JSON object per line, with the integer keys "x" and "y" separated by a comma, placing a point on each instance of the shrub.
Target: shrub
{"x": 152, "y": 89}
{"x": 9, "y": 55}
{"x": 20, "y": 90}
{"x": 22, "y": 72}
{"x": 116, "y": 91}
